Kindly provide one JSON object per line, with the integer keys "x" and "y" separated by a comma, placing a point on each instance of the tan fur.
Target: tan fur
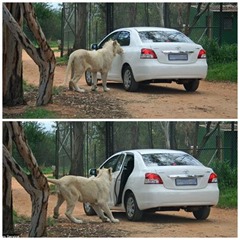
{"x": 94, "y": 61}
{"x": 94, "y": 190}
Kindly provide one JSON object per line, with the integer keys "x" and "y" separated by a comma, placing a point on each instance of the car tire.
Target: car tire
{"x": 202, "y": 213}
{"x": 88, "y": 209}
{"x": 132, "y": 211}
{"x": 88, "y": 78}
{"x": 191, "y": 86}
{"x": 129, "y": 82}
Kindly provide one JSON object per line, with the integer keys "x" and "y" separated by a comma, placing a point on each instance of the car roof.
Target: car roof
{"x": 139, "y": 29}
{"x": 147, "y": 151}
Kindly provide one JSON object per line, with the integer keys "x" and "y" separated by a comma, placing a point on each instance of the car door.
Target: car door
{"x": 123, "y": 38}
{"x": 115, "y": 72}
{"x": 121, "y": 180}
{"x": 116, "y": 164}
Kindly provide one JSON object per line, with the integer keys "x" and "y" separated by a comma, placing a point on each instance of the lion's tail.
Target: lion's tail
{"x": 68, "y": 70}
{"x": 54, "y": 181}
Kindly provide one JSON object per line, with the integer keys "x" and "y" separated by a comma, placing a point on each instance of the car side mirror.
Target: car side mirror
{"x": 93, "y": 172}
{"x": 94, "y": 46}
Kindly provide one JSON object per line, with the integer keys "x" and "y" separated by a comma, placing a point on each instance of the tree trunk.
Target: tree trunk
{"x": 8, "y": 226}
{"x": 12, "y": 62}
{"x": 42, "y": 56}
{"x": 132, "y": 14}
{"x": 35, "y": 184}
{"x": 160, "y": 7}
{"x": 80, "y": 39}
{"x": 77, "y": 167}
{"x": 206, "y": 137}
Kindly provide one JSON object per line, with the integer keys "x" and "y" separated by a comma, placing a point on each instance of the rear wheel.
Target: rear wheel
{"x": 88, "y": 78}
{"x": 191, "y": 86}
{"x": 129, "y": 82}
{"x": 202, "y": 213}
{"x": 131, "y": 207}
{"x": 88, "y": 209}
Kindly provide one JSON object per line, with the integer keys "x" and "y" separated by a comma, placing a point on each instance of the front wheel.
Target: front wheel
{"x": 191, "y": 86}
{"x": 202, "y": 213}
{"x": 129, "y": 82}
{"x": 131, "y": 207}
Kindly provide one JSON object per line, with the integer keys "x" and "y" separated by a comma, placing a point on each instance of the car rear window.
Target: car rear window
{"x": 169, "y": 159}
{"x": 163, "y": 36}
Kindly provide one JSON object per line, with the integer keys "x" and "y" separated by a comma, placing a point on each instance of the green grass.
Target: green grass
{"x": 223, "y": 72}
{"x": 38, "y": 113}
{"x": 228, "y": 198}
{"x": 62, "y": 60}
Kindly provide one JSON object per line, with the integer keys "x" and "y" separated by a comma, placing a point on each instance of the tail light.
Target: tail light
{"x": 202, "y": 54}
{"x": 148, "y": 54}
{"x": 152, "y": 178}
{"x": 213, "y": 178}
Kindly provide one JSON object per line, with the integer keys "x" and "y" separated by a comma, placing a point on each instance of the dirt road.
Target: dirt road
{"x": 154, "y": 101}
{"x": 221, "y": 222}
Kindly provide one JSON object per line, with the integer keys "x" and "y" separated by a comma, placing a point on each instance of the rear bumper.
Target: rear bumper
{"x": 147, "y": 69}
{"x": 161, "y": 197}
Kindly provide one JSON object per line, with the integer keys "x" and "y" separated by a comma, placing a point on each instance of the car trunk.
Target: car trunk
{"x": 184, "y": 177}
{"x": 172, "y": 53}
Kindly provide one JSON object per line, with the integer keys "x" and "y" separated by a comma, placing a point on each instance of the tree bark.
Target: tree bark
{"x": 77, "y": 167}
{"x": 80, "y": 39}
{"x": 8, "y": 226}
{"x": 35, "y": 183}
{"x": 42, "y": 56}
{"x": 12, "y": 61}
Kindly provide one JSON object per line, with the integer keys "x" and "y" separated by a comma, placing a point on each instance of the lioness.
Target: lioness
{"x": 94, "y": 61}
{"x": 94, "y": 190}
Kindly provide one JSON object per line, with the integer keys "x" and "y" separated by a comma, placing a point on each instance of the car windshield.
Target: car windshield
{"x": 169, "y": 159}
{"x": 163, "y": 36}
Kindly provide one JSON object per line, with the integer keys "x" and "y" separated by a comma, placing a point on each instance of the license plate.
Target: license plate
{"x": 177, "y": 57}
{"x": 185, "y": 181}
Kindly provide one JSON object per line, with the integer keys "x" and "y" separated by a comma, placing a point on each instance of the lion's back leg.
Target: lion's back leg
{"x": 76, "y": 73}
{"x": 104, "y": 206}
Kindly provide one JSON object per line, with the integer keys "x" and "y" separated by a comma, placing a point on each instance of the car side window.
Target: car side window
{"x": 115, "y": 163}
{"x": 124, "y": 38}
{"x": 113, "y": 36}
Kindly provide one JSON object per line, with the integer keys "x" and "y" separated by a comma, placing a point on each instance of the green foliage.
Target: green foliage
{"x": 49, "y": 19}
{"x": 223, "y": 72}
{"x": 227, "y": 182}
{"x": 227, "y": 176}
{"x": 219, "y": 54}
{"x": 38, "y": 113}
{"x": 20, "y": 219}
{"x": 28, "y": 87}
{"x": 222, "y": 60}
{"x": 62, "y": 60}
{"x": 41, "y": 142}
{"x": 228, "y": 198}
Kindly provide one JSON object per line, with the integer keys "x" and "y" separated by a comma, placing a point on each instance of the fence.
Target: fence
{"x": 101, "y": 139}
{"x": 211, "y": 20}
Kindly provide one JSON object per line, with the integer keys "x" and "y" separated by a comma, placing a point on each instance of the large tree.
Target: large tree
{"x": 42, "y": 55}
{"x": 34, "y": 183}
{"x": 12, "y": 61}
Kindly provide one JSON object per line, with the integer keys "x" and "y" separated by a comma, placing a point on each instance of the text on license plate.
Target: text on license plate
{"x": 177, "y": 57}
{"x": 185, "y": 181}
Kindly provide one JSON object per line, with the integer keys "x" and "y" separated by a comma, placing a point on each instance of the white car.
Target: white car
{"x": 155, "y": 55}
{"x": 159, "y": 180}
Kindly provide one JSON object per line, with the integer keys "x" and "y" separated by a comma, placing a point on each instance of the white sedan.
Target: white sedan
{"x": 159, "y": 180}
{"x": 155, "y": 55}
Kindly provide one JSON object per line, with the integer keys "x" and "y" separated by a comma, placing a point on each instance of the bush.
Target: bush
{"x": 219, "y": 54}
{"x": 227, "y": 176}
